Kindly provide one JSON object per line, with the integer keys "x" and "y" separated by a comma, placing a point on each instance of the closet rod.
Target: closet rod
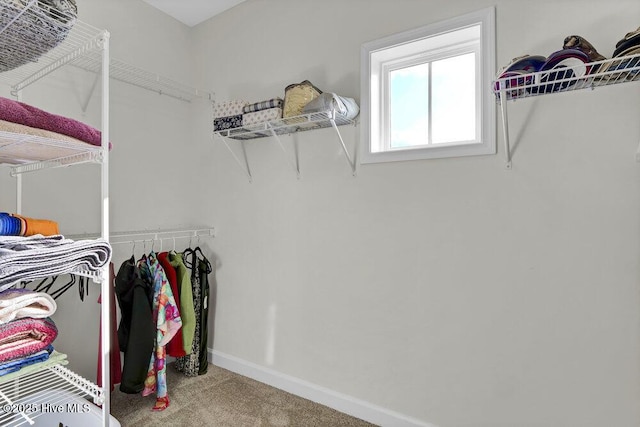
{"x": 146, "y": 235}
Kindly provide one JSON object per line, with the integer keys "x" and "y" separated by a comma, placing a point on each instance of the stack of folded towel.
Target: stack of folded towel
{"x": 17, "y": 225}
{"x": 262, "y": 111}
{"x": 37, "y": 257}
{"x": 26, "y": 332}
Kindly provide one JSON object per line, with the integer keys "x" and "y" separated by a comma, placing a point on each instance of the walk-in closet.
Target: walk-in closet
{"x": 341, "y": 213}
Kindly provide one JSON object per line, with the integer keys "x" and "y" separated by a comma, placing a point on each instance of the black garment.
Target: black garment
{"x": 204, "y": 268}
{"x": 136, "y": 333}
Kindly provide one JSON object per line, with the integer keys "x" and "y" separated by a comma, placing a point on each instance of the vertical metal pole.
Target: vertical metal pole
{"x": 19, "y": 176}
{"x": 505, "y": 128}
{"x": 105, "y": 282}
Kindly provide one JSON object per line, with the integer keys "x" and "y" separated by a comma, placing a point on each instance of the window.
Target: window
{"x": 426, "y": 93}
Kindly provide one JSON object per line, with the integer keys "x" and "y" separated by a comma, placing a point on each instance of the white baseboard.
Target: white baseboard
{"x": 324, "y": 396}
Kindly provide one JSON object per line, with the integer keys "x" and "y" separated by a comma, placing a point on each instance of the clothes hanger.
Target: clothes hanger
{"x": 42, "y": 287}
{"x": 64, "y": 287}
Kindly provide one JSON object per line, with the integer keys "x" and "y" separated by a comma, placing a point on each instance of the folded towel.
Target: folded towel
{"x": 26, "y": 336}
{"x": 17, "y": 364}
{"x": 18, "y": 303}
{"x": 25, "y": 114}
{"x": 263, "y": 105}
{"x": 37, "y": 257}
{"x": 55, "y": 358}
{"x": 17, "y": 225}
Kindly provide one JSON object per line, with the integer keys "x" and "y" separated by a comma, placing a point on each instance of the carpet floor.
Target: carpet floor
{"x": 221, "y": 398}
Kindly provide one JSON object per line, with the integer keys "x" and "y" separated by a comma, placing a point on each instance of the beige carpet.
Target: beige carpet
{"x": 224, "y": 398}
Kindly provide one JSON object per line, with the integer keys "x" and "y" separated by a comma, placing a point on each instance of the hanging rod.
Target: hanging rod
{"x": 150, "y": 235}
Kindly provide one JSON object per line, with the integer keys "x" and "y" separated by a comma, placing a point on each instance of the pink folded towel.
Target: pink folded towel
{"x": 25, "y": 336}
{"x": 25, "y": 114}
{"x": 18, "y": 303}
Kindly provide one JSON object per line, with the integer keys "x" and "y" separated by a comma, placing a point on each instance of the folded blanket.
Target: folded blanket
{"x": 17, "y": 225}
{"x": 17, "y": 364}
{"x": 228, "y": 108}
{"x": 37, "y": 257}
{"x": 263, "y": 105}
{"x": 25, "y": 114}
{"x": 24, "y": 337}
{"x": 229, "y": 122}
{"x": 261, "y": 116}
{"x": 18, "y": 303}
{"x": 55, "y": 358}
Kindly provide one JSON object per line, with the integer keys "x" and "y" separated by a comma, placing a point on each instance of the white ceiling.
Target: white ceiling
{"x": 192, "y": 12}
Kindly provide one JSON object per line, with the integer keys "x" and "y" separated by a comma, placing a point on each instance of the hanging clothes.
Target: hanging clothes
{"x": 175, "y": 346}
{"x": 167, "y": 320}
{"x": 187, "y": 312}
{"x": 204, "y": 268}
{"x": 196, "y": 363}
{"x": 190, "y": 364}
{"x": 115, "y": 367}
{"x": 136, "y": 332}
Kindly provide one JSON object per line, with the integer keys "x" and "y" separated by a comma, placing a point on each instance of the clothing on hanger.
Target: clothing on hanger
{"x": 115, "y": 367}
{"x": 136, "y": 333}
{"x": 175, "y": 346}
{"x": 167, "y": 320}
{"x": 187, "y": 312}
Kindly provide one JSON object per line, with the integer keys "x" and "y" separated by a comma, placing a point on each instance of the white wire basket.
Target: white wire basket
{"x": 582, "y": 76}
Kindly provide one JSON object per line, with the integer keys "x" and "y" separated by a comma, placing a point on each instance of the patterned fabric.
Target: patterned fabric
{"x": 261, "y": 116}
{"x": 229, "y": 108}
{"x": 263, "y": 105}
{"x": 167, "y": 319}
{"x": 190, "y": 364}
{"x": 41, "y": 28}
{"x": 229, "y": 122}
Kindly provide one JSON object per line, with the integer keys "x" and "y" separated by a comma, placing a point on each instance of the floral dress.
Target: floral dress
{"x": 167, "y": 320}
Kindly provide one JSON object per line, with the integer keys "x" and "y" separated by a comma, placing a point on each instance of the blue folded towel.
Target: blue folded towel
{"x": 17, "y": 364}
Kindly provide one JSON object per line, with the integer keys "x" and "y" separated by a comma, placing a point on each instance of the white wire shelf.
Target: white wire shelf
{"x": 286, "y": 126}
{"x": 82, "y": 48}
{"x": 29, "y": 153}
{"x": 624, "y": 69}
{"x": 583, "y": 76}
{"x": 38, "y": 393}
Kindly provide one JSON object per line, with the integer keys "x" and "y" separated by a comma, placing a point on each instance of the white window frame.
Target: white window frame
{"x": 374, "y": 103}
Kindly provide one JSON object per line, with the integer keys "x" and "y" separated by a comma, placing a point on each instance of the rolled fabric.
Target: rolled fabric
{"x": 9, "y": 225}
{"x": 23, "y": 337}
{"x": 19, "y": 303}
{"x": 263, "y": 105}
{"x": 34, "y": 226}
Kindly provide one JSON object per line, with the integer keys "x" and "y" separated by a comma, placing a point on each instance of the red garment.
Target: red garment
{"x": 175, "y": 347}
{"x": 114, "y": 364}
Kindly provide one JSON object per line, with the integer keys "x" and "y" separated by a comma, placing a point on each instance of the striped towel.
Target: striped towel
{"x": 17, "y": 364}
{"x": 18, "y": 303}
{"x": 263, "y": 105}
{"x": 24, "y": 337}
{"x": 37, "y": 257}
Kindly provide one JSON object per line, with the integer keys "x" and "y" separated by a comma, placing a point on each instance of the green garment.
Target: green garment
{"x": 187, "y": 312}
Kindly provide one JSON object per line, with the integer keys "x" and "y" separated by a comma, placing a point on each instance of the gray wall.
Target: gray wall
{"x": 452, "y": 291}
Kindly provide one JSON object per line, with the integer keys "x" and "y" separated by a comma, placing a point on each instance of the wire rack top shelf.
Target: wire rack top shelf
{"x": 38, "y": 40}
{"x": 580, "y": 76}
